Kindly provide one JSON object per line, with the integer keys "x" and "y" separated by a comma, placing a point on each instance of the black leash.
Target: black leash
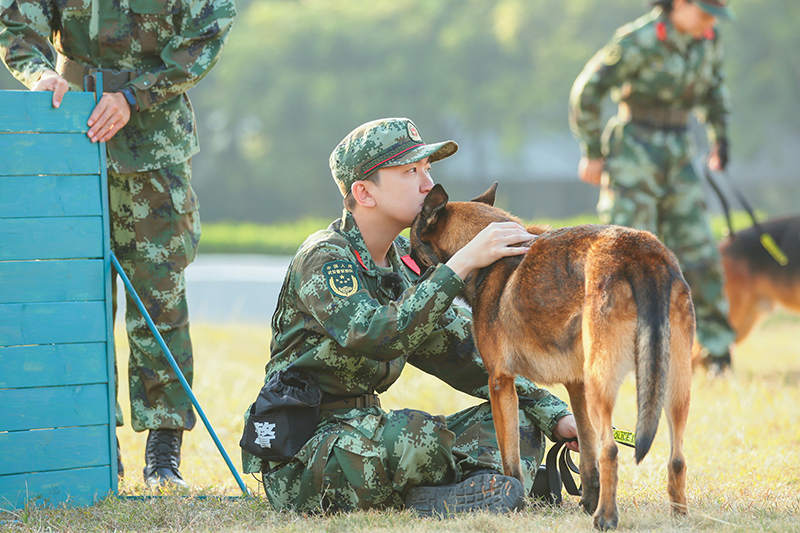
{"x": 555, "y": 473}
{"x": 559, "y": 466}
{"x": 767, "y": 241}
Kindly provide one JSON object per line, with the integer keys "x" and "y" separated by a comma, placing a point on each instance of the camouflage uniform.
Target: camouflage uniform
{"x": 658, "y": 75}
{"x": 161, "y": 48}
{"x": 341, "y": 319}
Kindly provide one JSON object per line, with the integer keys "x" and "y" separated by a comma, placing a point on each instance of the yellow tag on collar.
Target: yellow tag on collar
{"x": 628, "y": 438}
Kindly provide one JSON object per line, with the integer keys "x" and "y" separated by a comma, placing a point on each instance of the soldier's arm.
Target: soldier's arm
{"x": 714, "y": 107}
{"x": 190, "y": 55}
{"x": 449, "y": 354}
{"x": 608, "y": 68}
{"x": 24, "y": 45}
{"x": 356, "y": 320}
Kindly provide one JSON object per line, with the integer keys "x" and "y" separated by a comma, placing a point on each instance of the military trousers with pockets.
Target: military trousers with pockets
{"x": 370, "y": 458}
{"x": 651, "y": 184}
{"x": 155, "y": 230}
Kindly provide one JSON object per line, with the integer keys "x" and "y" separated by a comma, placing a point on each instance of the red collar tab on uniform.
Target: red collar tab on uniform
{"x": 410, "y": 263}
{"x": 661, "y": 30}
{"x": 709, "y": 34}
{"x": 358, "y": 256}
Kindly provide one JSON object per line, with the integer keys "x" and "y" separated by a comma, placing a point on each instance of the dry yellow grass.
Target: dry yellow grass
{"x": 742, "y": 442}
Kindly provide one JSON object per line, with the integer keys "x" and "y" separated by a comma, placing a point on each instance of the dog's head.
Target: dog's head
{"x": 442, "y": 227}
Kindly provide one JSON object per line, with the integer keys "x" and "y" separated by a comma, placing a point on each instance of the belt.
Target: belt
{"x": 330, "y": 403}
{"x": 654, "y": 117}
{"x": 113, "y": 80}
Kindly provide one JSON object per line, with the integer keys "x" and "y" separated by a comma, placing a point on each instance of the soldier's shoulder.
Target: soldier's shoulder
{"x": 639, "y": 33}
{"x": 321, "y": 247}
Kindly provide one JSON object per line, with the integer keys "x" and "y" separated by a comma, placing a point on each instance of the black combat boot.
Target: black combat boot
{"x": 717, "y": 365}
{"x": 163, "y": 457}
{"x": 483, "y": 491}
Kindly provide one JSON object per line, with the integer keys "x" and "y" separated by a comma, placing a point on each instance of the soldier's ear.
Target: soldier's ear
{"x": 362, "y": 194}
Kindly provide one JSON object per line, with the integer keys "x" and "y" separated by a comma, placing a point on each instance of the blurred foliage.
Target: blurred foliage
{"x": 298, "y": 75}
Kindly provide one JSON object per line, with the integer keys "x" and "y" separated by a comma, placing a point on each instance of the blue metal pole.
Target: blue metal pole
{"x": 174, "y": 365}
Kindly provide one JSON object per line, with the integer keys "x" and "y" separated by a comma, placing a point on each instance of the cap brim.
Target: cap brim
{"x": 721, "y": 12}
{"x": 434, "y": 152}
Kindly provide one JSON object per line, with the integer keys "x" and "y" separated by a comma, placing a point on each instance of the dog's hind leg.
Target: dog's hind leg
{"x": 608, "y": 340}
{"x": 679, "y": 385}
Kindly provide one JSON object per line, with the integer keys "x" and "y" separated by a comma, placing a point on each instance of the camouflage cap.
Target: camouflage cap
{"x": 387, "y": 142}
{"x": 718, "y": 8}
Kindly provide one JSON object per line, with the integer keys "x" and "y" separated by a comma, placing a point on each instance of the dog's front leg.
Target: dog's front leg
{"x": 505, "y": 411}
{"x": 587, "y": 439}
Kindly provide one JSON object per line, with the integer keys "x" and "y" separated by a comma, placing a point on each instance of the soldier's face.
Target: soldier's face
{"x": 401, "y": 191}
{"x": 689, "y": 18}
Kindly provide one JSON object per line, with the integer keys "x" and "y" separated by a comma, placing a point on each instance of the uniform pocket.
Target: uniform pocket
{"x": 184, "y": 199}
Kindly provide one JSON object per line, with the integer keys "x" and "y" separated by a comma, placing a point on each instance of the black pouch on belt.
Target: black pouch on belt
{"x": 283, "y": 417}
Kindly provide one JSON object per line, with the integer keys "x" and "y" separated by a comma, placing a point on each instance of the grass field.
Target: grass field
{"x": 742, "y": 446}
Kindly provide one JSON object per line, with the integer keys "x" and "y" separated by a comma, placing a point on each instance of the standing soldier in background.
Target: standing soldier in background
{"x": 150, "y": 52}
{"x": 660, "y": 68}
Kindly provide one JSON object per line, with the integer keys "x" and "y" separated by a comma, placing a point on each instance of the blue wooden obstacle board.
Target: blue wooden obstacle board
{"x": 57, "y": 423}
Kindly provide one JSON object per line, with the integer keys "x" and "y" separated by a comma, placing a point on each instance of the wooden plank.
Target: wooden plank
{"x": 50, "y": 196}
{"x": 51, "y": 238}
{"x": 34, "y": 112}
{"x": 54, "y": 364}
{"x": 81, "y": 487}
{"x": 48, "y": 153}
{"x": 52, "y": 323}
{"x": 47, "y": 450}
{"x": 52, "y": 407}
{"x": 51, "y": 281}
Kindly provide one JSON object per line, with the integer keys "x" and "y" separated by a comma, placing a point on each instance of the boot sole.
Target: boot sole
{"x": 486, "y": 492}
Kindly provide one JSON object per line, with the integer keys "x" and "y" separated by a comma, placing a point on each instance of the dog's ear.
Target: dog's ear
{"x": 432, "y": 209}
{"x": 488, "y": 196}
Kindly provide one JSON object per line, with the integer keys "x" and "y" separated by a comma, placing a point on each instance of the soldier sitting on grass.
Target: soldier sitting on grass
{"x": 353, "y": 311}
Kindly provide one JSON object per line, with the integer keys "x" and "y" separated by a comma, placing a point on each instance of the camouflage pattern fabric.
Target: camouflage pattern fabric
{"x": 650, "y": 182}
{"x": 172, "y": 43}
{"x": 354, "y": 327}
{"x": 370, "y": 459}
{"x": 155, "y": 230}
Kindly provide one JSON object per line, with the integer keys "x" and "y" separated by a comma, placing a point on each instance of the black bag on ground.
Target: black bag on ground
{"x": 283, "y": 417}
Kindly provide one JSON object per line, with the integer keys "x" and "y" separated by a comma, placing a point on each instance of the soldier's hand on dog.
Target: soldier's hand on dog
{"x": 110, "y": 114}
{"x": 566, "y": 428}
{"x": 495, "y": 241}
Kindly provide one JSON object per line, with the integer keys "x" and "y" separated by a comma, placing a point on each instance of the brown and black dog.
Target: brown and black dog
{"x": 755, "y": 283}
{"x": 583, "y": 307}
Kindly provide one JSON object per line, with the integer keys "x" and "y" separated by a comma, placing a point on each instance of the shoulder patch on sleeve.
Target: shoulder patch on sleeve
{"x": 613, "y": 54}
{"x": 341, "y": 278}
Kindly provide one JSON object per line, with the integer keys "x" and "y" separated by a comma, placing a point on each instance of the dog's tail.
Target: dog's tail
{"x": 651, "y": 292}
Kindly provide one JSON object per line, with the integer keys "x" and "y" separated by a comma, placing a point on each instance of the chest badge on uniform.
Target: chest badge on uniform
{"x": 613, "y": 55}
{"x": 341, "y": 278}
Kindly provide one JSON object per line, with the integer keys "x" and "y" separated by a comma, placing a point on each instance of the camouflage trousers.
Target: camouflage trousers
{"x": 372, "y": 460}
{"x": 650, "y": 184}
{"x": 155, "y": 230}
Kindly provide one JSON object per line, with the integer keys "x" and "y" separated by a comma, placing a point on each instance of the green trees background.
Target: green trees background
{"x": 297, "y": 75}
